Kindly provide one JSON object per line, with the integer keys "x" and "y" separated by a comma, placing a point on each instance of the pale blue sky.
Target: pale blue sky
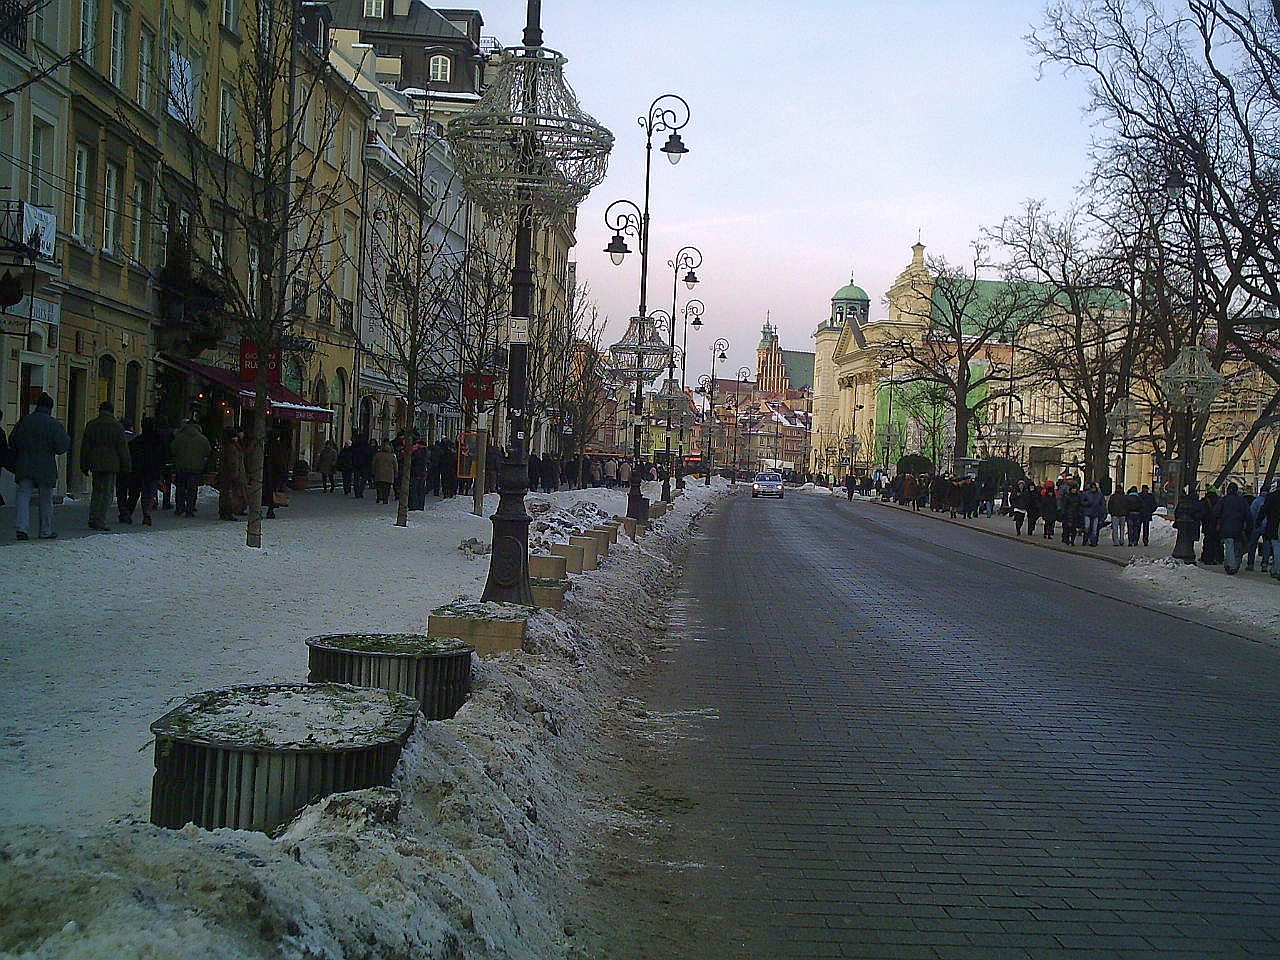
{"x": 825, "y": 134}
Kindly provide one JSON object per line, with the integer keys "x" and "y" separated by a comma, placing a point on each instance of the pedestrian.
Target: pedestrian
{"x": 326, "y": 465}
{"x": 1254, "y": 539}
{"x": 419, "y": 460}
{"x": 232, "y": 498}
{"x": 361, "y": 464}
{"x": 1070, "y": 510}
{"x": 848, "y": 486}
{"x": 189, "y": 450}
{"x": 149, "y": 452}
{"x": 1017, "y": 507}
{"x": 1048, "y": 508}
{"x": 1270, "y": 519}
{"x": 1031, "y": 503}
{"x": 1093, "y": 507}
{"x": 37, "y": 439}
{"x": 1232, "y": 516}
{"x": 125, "y": 479}
{"x": 384, "y": 472}
{"x": 344, "y": 465}
{"x": 1148, "y": 511}
{"x": 104, "y": 453}
{"x": 1134, "y": 510}
{"x": 1211, "y": 549}
{"x": 1118, "y": 510}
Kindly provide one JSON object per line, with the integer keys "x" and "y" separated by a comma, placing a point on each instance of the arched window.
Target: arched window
{"x": 441, "y": 68}
{"x": 107, "y": 379}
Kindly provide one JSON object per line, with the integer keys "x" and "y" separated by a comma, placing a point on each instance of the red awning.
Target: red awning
{"x": 283, "y": 402}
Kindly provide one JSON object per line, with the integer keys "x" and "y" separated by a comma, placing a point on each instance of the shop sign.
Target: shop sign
{"x": 249, "y": 358}
{"x": 15, "y": 318}
{"x": 478, "y": 386}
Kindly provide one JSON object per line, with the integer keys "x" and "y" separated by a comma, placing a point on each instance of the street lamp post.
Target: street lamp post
{"x": 744, "y": 376}
{"x": 667, "y": 112}
{"x": 526, "y": 149}
{"x": 888, "y": 363}
{"x": 709, "y": 384}
{"x": 1190, "y": 384}
{"x": 693, "y": 309}
{"x": 687, "y": 259}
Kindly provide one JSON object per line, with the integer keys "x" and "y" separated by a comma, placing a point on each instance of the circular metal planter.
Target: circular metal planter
{"x": 251, "y": 757}
{"x": 435, "y": 671}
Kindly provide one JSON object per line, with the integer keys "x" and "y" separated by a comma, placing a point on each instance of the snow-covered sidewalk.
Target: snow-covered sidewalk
{"x": 101, "y": 636}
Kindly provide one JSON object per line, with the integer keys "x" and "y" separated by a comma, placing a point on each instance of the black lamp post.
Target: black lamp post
{"x": 668, "y": 112}
{"x": 686, "y": 262}
{"x": 709, "y": 387}
{"x": 744, "y": 376}
{"x": 692, "y": 318}
{"x": 888, "y": 363}
{"x": 524, "y": 149}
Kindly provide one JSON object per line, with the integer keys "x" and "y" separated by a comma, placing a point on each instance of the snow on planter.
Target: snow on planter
{"x": 489, "y": 627}
{"x": 251, "y": 757}
{"x": 435, "y": 671}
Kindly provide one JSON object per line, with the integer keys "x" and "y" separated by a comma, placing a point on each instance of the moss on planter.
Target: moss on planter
{"x": 390, "y": 644}
{"x": 479, "y": 610}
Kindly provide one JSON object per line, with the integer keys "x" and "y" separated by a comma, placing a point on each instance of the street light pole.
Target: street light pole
{"x": 526, "y": 148}
{"x": 694, "y": 308}
{"x": 744, "y": 375}
{"x": 667, "y": 112}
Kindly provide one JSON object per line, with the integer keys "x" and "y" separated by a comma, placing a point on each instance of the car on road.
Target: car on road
{"x": 768, "y": 485}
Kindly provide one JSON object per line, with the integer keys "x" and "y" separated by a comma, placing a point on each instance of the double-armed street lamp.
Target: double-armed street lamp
{"x": 667, "y": 113}
{"x": 888, "y": 363}
{"x": 525, "y": 150}
{"x": 686, "y": 261}
{"x": 693, "y": 311}
{"x": 744, "y": 376}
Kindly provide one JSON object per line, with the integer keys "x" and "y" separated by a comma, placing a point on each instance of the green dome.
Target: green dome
{"x": 851, "y": 292}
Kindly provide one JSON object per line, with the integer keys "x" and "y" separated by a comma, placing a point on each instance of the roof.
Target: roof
{"x": 984, "y": 306}
{"x": 851, "y": 291}
{"x": 421, "y": 21}
{"x": 799, "y": 368}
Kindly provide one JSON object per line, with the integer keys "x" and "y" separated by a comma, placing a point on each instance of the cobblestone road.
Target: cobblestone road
{"x": 902, "y": 739}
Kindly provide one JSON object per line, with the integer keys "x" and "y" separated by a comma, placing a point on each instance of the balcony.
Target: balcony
{"x": 298, "y": 305}
{"x": 27, "y": 239}
{"x": 325, "y": 313}
{"x": 347, "y": 316}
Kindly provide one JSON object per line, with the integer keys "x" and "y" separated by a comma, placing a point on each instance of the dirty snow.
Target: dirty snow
{"x": 1250, "y": 600}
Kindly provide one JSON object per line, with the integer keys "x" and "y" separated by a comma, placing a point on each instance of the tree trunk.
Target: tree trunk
{"x": 405, "y": 454}
{"x": 478, "y": 484}
{"x": 256, "y": 453}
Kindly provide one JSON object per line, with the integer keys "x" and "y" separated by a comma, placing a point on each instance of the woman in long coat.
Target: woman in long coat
{"x": 1070, "y": 509}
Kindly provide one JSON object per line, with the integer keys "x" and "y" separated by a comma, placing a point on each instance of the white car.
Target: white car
{"x": 768, "y": 485}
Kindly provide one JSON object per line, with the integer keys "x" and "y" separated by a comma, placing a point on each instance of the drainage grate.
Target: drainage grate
{"x": 435, "y": 671}
{"x": 251, "y": 757}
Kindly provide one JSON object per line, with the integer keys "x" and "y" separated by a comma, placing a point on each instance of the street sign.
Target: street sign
{"x": 478, "y": 386}
{"x": 517, "y": 329}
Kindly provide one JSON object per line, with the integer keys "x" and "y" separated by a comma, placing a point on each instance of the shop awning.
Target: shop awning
{"x": 282, "y": 402}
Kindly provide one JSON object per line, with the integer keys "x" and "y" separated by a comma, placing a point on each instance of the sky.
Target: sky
{"x": 825, "y": 136}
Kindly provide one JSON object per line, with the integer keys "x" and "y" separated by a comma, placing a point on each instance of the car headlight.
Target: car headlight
{"x": 755, "y": 486}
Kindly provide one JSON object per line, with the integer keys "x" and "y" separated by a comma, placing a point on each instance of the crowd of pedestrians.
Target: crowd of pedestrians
{"x": 1234, "y": 528}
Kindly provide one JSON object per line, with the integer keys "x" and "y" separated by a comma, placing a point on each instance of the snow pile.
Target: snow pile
{"x": 468, "y": 855}
{"x": 1162, "y": 532}
{"x": 1251, "y": 600}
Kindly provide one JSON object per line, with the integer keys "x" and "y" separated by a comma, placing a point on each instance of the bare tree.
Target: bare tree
{"x": 959, "y": 315}
{"x": 582, "y": 395}
{"x": 250, "y": 176}
{"x": 414, "y": 253}
{"x": 1080, "y": 335}
{"x": 15, "y": 27}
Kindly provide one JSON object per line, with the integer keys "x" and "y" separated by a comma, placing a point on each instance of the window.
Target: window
{"x": 217, "y": 250}
{"x": 43, "y": 24}
{"x": 111, "y": 208}
{"x": 374, "y": 9}
{"x": 183, "y": 100}
{"x": 226, "y": 120}
{"x": 331, "y": 135}
{"x": 40, "y": 191}
{"x": 80, "y": 201}
{"x": 441, "y": 68}
{"x": 88, "y": 29}
{"x": 146, "y": 67}
{"x": 119, "y": 22}
{"x": 229, "y": 12}
{"x": 141, "y": 203}
{"x": 353, "y": 148}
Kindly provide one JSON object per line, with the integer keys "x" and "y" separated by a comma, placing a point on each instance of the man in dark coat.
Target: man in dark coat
{"x": 1232, "y": 515}
{"x": 35, "y": 442}
{"x": 1269, "y": 517}
{"x": 104, "y": 453}
{"x": 361, "y": 463}
{"x": 149, "y": 452}
{"x": 1148, "y": 511}
{"x": 1211, "y": 549}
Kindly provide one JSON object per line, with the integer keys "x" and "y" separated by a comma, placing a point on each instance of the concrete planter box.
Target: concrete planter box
{"x": 602, "y": 538}
{"x": 629, "y": 527}
{"x": 571, "y": 553}
{"x": 657, "y": 510}
{"x": 548, "y": 594}
{"x": 590, "y": 552}
{"x": 489, "y": 628}
{"x": 642, "y": 528}
{"x": 547, "y": 568}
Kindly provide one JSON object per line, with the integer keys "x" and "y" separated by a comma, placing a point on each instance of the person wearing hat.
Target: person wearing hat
{"x": 35, "y": 442}
{"x": 104, "y": 453}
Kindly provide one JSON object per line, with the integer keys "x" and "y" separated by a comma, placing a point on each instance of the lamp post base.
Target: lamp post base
{"x": 509, "y": 564}
{"x": 666, "y": 489}
{"x": 637, "y": 502}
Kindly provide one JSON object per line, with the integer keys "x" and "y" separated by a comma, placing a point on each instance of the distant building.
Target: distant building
{"x": 786, "y": 373}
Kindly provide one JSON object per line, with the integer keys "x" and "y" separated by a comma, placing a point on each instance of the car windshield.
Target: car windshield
{"x": 769, "y": 477}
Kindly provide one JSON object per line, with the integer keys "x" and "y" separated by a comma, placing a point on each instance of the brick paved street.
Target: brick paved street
{"x": 901, "y": 738}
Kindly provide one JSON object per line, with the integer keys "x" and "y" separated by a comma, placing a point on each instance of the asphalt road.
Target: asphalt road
{"x": 876, "y": 735}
